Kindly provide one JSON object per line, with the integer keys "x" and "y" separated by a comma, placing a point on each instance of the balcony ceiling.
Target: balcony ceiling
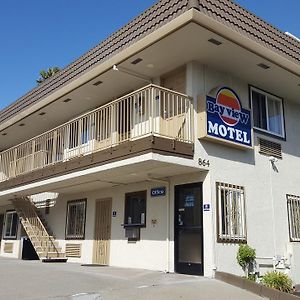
{"x": 134, "y": 170}
{"x": 189, "y": 43}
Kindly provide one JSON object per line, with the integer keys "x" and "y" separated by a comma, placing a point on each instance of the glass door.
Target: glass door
{"x": 189, "y": 229}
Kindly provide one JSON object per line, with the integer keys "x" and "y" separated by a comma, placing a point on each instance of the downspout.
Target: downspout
{"x": 167, "y": 182}
{"x": 272, "y": 166}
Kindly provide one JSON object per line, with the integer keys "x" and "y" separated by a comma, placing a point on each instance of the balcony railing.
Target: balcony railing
{"x": 151, "y": 110}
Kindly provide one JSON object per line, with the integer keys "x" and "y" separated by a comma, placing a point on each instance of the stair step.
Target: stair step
{"x": 51, "y": 254}
{"x": 40, "y": 235}
{"x": 45, "y": 243}
{"x": 42, "y": 250}
{"x": 54, "y": 260}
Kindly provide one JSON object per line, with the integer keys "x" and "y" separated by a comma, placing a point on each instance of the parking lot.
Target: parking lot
{"x": 36, "y": 280}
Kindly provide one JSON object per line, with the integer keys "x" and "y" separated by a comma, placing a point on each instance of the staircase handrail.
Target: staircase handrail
{"x": 42, "y": 227}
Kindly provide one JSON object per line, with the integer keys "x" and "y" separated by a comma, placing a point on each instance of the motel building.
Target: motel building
{"x": 163, "y": 148}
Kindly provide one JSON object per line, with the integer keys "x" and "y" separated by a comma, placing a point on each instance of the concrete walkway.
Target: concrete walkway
{"x": 36, "y": 280}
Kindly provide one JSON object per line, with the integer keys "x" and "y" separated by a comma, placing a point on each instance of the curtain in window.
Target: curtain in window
{"x": 259, "y": 110}
{"x": 274, "y": 111}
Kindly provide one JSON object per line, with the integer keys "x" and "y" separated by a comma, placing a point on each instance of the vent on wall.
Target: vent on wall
{"x": 8, "y": 247}
{"x": 73, "y": 250}
{"x": 270, "y": 148}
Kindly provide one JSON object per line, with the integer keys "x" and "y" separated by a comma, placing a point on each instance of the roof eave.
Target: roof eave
{"x": 246, "y": 42}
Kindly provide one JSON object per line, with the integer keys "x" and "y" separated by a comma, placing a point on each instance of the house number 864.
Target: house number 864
{"x": 203, "y": 162}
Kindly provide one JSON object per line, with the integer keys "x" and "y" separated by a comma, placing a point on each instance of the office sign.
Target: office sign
{"x": 227, "y": 120}
{"x": 158, "y": 192}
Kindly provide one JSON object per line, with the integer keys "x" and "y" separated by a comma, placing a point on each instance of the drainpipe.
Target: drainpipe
{"x": 167, "y": 182}
{"x": 272, "y": 167}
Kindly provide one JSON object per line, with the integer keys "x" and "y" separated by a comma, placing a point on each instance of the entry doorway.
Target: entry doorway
{"x": 189, "y": 229}
{"x": 102, "y": 233}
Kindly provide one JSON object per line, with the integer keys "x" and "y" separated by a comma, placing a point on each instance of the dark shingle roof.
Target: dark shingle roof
{"x": 224, "y": 11}
{"x": 246, "y": 23}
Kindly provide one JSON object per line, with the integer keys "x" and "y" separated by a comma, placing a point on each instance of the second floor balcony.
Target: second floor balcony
{"x": 151, "y": 110}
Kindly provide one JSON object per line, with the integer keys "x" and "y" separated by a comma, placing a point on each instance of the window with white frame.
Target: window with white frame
{"x": 11, "y": 225}
{"x": 231, "y": 213}
{"x": 293, "y": 207}
{"x": 76, "y": 213}
{"x": 267, "y": 111}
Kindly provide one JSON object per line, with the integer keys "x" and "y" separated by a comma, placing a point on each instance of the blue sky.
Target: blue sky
{"x": 37, "y": 34}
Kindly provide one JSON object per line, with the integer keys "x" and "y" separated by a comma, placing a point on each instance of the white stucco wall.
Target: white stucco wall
{"x": 152, "y": 251}
{"x": 248, "y": 168}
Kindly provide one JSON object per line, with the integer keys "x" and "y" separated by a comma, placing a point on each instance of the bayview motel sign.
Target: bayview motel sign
{"x": 226, "y": 119}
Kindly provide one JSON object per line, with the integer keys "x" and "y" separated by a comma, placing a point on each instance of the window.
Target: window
{"x": 11, "y": 225}
{"x": 135, "y": 209}
{"x": 267, "y": 112}
{"x": 293, "y": 207}
{"x": 231, "y": 213}
{"x": 75, "y": 227}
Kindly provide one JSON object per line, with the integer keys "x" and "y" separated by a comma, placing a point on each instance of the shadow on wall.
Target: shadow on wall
{"x": 228, "y": 152}
{"x": 156, "y": 210}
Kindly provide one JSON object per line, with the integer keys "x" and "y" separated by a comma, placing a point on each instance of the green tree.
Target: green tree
{"x": 45, "y": 74}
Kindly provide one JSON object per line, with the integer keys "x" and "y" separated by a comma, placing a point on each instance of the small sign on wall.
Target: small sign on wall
{"x": 206, "y": 207}
{"x": 158, "y": 192}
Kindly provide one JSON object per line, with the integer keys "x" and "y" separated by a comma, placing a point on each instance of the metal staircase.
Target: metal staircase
{"x": 38, "y": 232}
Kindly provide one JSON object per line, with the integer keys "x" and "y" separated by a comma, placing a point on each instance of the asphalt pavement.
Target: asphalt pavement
{"x": 37, "y": 281}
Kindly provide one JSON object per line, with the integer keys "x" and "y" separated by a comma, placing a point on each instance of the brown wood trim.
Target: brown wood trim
{"x": 288, "y": 201}
{"x": 4, "y": 226}
{"x": 253, "y": 287}
{"x": 66, "y": 224}
{"x": 150, "y": 144}
{"x": 229, "y": 240}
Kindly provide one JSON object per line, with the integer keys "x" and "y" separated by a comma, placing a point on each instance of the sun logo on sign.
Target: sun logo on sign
{"x": 229, "y": 100}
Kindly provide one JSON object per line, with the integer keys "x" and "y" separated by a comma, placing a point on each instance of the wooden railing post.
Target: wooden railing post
{"x": 114, "y": 133}
{"x": 54, "y": 147}
{"x": 32, "y": 154}
{"x": 152, "y": 105}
